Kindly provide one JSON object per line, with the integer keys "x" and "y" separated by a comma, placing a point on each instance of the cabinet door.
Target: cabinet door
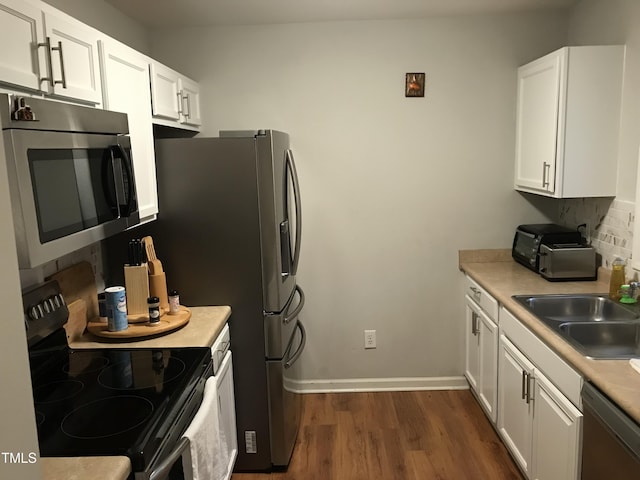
{"x": 74, "y": 59}
{"x": 227, "y": 411}
{"x": 515, "y": 412}
{"x": 557, "y": 428}
{"x": 125, "y": 75}
{"x": 165, "y": 92}
{"x": 472, "y": 344}
{"x": 20, "y": 33}
{"x": 488, "y": 389}
{"x": 540, "y": 89}
{"x": 190, "y": 108}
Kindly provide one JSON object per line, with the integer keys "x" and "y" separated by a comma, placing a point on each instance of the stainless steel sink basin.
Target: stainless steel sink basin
{"x": 595, "y": 325}
{"x": 604, "y": 340}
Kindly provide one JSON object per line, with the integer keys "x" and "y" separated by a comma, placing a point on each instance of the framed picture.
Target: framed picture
{"x": 414, "y": 85}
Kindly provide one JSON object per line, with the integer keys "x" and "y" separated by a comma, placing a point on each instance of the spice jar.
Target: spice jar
{"x": 174, "y": 302}
{"x": 154, "y": 310}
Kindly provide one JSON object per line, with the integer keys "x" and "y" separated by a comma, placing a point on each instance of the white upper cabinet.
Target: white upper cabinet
{"x": 568, "y": 116}
{"x": 190, "y": 92}
{"x": 46, "y": 51}
{"x": 175, "y": 98}
{"x": 125, "y": 74}
{"x": 72, "y": 61}
{"x": 20, "y": 33}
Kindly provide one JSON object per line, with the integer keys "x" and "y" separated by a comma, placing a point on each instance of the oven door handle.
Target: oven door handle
{"x": 162, "y": 470}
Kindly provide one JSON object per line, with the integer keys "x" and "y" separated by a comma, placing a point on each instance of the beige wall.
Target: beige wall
{"x": 392, "y": 187}
{"x": 17, "y": 417}
{"x": 102, "y": 16}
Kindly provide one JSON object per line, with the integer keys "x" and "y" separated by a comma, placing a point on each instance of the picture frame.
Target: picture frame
{"x": 414, "y": 84}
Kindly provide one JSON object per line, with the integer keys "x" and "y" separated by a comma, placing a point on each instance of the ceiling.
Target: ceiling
{"x": 185, "y": 13}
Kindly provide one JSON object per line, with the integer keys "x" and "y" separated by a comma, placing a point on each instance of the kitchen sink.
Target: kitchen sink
{"x": 595, "y": 325}
{"x": 604, "y": 340}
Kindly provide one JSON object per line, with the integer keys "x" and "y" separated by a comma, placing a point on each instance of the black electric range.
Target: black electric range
{"x": 131, "y": 402}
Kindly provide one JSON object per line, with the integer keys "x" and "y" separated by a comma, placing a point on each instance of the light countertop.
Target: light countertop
{"x": 501, "y": 277}
{"x": 203, "y": 328}
{"x": 201, "y": 331}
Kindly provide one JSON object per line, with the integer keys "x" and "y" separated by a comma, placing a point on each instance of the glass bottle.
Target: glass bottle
{"x": 617, "y": 278}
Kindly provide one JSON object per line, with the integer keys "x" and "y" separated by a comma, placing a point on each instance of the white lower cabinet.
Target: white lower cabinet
{"x": 481, "y": 356}
{"x": 515, "y": 416}
{"x": 227, "y": 409}
{"x": 556, "y": 433}
{"x": 537, "y": 422}
{"x": 223, "y": 372}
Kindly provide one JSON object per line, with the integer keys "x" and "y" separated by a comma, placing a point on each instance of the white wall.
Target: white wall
{"x": 392, "y": 187}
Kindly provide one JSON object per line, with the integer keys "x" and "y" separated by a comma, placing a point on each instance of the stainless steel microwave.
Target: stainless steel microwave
{"x": 70, "y": 176}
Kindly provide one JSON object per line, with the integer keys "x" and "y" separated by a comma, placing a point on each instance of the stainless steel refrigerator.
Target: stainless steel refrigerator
{"x": 228, "y": 233}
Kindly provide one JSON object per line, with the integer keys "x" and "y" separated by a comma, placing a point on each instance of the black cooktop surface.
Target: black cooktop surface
{"x": 111, "y": 401}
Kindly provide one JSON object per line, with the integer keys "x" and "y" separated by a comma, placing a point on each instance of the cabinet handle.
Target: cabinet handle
{"x": 477, "y": 293}
{"x": 524, "y": 383}
{"x": 48, "y": 49}
{"x": 179, "y": 94}
{"x": 187, "y": 97}
{"x": 63, "y": 76}
{"x": 528, "y": 399}
{"x": 474, "y": 323}
{"x": 546, "y": 167}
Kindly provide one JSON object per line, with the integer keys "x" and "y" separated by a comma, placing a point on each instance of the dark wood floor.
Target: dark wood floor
{"x": 395, "y": 436}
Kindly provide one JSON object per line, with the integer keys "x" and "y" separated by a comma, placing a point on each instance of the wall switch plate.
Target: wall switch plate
{"x": 369, "y": 339}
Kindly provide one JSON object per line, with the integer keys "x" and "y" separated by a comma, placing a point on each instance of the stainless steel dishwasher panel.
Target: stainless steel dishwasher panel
{"x": 610, "y": 439}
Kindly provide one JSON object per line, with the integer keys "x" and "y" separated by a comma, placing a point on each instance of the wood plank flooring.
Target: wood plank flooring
{"x": 426, "y": 435}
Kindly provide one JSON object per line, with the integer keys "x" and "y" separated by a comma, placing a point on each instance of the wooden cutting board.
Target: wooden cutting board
{"x": 78, "y": 283}
{"x": 77, "y": 322}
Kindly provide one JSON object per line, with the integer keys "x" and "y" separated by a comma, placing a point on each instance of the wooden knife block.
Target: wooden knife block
{"x": 158, "y": 288}
{"x": 136, "y": 282}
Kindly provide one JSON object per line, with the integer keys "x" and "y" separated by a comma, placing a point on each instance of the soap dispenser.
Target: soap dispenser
{"x": 617, "y": 278}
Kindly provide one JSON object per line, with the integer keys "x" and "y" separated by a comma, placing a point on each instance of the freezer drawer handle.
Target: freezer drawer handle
{"x": 298, "y": 308}
{"x": 298, "y": 352}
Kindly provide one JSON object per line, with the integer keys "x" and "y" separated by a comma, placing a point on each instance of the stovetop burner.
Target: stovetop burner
{"x": 107, "y": 417}
{"x": 53, "y": 392}
{"x": 110, "y": 401}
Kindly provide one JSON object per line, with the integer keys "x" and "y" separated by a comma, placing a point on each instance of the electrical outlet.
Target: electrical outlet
{"x": 369, "y": 339}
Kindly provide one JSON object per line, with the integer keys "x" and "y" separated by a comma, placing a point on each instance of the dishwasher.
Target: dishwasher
{"x": 610, "y": 439}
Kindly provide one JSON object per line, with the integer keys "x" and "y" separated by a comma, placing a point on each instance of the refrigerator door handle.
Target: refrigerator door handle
{"x": 298, "y": 308}
{"x": 289, "y": 363}
{"x": 285, "y": 249}
{"x": 296, "y": 191}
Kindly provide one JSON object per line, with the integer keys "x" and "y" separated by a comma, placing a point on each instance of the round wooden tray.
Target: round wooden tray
{"x": 167, "y": 323}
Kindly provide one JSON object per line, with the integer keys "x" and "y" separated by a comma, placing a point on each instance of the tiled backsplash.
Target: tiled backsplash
{"x": 609, "y": 224}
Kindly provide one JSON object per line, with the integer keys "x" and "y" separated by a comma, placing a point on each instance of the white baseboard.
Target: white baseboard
{"x": 378, "y": 384}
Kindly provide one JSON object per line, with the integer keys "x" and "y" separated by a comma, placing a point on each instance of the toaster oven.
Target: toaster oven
{"x": 529, "y": 238}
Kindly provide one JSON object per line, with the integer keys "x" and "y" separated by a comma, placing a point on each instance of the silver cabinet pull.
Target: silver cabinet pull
{"x": 187, "y": 97}
{"x": 524, "y": 382}
{"x": 179, "y": 94}
{"x": 48, "y": 49}
{"x": 63, "y": 76}
{"x": 474, "y": 323}
{"x": 546, "y": 168}
{"x": 477, "y": 293}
